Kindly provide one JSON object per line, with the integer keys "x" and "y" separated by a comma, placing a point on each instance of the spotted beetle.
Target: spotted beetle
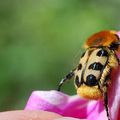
{"x": 92, "y": 75}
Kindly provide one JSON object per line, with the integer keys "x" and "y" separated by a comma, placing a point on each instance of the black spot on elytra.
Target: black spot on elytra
{"x": 91, "y": 80}
{"x": 79, "y": 66}
{"x": 102, "y": 53}
{"x": 77, "y": 82}
{"x": 96, "y": 66}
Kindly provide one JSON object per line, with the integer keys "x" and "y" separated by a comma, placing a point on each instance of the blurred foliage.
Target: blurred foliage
{"x": 41, "y": 41}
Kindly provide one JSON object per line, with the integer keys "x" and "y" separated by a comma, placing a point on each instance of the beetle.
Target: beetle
{"x": 92, "y": 74}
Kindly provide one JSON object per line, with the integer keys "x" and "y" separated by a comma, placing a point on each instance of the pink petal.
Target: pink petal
{"x": 118, "y": 33}
{"x": 74, "y": 106}
{"x": 47, "y": 100}
{"x": 58, "y": 102}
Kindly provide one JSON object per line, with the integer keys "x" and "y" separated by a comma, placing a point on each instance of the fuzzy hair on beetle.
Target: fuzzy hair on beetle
{"x": 92, "y": 74}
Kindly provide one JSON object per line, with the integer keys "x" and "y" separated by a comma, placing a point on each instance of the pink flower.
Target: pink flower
{"x": 74, "y": 106}
{"x": 77, "y": 107}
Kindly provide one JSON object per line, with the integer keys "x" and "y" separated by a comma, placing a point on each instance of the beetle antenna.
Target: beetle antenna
{"x": 67, "y": 77}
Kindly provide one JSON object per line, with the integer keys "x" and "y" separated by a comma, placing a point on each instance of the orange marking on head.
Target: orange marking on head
{"x": 103, "y": 38}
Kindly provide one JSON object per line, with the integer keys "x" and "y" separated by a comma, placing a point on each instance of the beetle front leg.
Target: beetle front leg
{"x": 104, "y": 90}
{"x": 67, "y": 77}
{"x": 105, "y": 95}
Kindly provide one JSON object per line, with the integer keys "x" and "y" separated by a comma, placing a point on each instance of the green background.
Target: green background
{"x": 41, "y": 41}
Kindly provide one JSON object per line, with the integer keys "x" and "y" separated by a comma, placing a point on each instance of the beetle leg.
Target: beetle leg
{"x": 103, "y": 88}
{"x": 106, "y": 102}
{"x": 67, "y": 77}
{"x": 118, "y": 61}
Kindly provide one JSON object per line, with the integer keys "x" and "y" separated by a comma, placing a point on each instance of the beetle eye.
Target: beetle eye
{"x": 91, "y": 80}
